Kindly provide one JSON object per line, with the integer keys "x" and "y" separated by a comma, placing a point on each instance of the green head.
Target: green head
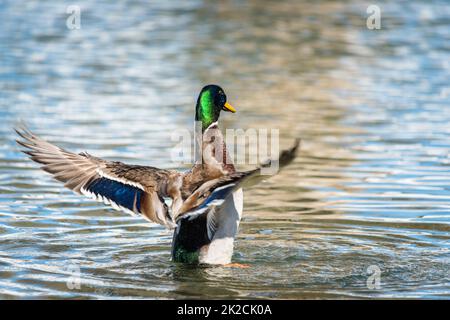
{"x": 211, "y": 101}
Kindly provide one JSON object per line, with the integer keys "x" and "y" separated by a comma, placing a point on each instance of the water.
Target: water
{"x": 370, "y": 188}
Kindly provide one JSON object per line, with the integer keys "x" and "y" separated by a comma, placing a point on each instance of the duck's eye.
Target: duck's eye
{"x": 221, "y": 99}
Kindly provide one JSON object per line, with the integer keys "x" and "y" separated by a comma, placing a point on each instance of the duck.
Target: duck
{"x": 206, "y": 200}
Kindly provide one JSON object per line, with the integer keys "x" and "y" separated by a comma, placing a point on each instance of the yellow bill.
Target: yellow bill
{"x": 229, "y": 107}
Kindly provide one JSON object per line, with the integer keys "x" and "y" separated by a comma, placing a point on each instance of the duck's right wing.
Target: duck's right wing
{"x": 130, "y": 188}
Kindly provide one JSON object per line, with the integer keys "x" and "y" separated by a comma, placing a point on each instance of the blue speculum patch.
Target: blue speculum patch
{"x": 218, "y": 195}
{"x": 124, "y": 195}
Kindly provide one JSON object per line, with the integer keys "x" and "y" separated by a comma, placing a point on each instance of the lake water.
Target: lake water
{"x": 368, "y": 196}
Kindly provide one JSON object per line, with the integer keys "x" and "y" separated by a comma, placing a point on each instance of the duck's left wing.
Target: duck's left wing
{"x": 209, "y": 197}
{"x": 130, "y": 188}
{"x": 213, "y": 193}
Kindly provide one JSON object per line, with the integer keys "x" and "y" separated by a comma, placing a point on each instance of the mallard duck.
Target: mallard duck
{"x": 207, "y": 200}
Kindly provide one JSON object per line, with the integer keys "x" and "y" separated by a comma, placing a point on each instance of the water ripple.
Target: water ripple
{"x": 371, "y": 186}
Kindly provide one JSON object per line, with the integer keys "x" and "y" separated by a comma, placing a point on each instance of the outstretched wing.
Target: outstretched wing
{"x": 284, "y": 159}
{"x": 213, "y": 193}
{"x": 130, "y": 188}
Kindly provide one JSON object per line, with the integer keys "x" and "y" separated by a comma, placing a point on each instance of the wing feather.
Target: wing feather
{"x": 131, "y": 188}
{"x": 207, "y": 200}
{"x": 141, "y": 189}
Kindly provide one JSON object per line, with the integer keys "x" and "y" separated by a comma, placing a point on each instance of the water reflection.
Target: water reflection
{"x": 370, "y": 187}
